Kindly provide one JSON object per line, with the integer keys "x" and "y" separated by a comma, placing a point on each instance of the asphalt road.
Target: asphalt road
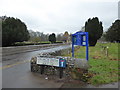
{"x": 16, "y": 70}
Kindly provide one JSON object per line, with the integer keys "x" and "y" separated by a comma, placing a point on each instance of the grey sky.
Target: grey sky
{"x": 60, "y": 15}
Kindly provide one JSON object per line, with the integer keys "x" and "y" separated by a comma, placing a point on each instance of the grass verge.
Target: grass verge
{"x": 103, "y": 62}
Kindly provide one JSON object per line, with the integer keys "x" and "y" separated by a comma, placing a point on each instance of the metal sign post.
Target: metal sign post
{"x": 81, "y": 39}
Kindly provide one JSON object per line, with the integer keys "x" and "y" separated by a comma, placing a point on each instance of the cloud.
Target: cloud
{"x": 119, "y": 9}
{"x": 60, "y": 15}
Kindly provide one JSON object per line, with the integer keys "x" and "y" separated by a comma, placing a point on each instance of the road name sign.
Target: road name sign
{"x": 57, "y": 62}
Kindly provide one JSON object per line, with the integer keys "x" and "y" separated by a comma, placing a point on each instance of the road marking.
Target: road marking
{"x": 8, "y": 66}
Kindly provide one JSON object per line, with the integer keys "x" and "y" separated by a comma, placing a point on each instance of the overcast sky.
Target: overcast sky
{"x": 58, "y": 16}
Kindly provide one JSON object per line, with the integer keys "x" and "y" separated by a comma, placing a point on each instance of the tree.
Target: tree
{"x": 113, "y": 33}
{"x": 102, "y": 39}
{"x": 66, "y": 36}
{"x": 59, "y": 37}
{"x": 36, "y": 39}
{"x": 95, "y": 30}
{"x": 52, "y": 38}
{"x": 13, "y": 30}
{"x": 40, "y": 35}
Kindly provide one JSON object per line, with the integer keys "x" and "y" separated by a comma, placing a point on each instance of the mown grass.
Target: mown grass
{"x": 104, "y": 68}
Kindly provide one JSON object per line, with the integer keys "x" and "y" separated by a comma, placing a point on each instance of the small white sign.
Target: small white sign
{"x": 48, "y": 61}
{"x": 83, "y": 43}
{"x": 84, "y": 38}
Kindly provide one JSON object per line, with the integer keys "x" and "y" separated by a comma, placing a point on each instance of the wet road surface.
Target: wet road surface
{"x": 16, "y": 71}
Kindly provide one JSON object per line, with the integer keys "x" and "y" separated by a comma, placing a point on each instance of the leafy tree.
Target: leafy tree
{"x": 13, "y": 30}
{"x": 52, "y": 38}
{"x": 113, "y": 33}
{"x": 66, "y": 36}
{"x": 95, "y": 30}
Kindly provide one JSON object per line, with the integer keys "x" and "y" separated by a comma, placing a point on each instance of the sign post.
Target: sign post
{"x": 81, "y": 39}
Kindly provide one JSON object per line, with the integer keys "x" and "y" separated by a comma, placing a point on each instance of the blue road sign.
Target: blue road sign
{"x": 81, "y": 39}
{"x": 62, "y": 62}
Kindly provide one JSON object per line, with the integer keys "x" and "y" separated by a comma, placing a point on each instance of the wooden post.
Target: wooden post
{"x": 107, "y": 51}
